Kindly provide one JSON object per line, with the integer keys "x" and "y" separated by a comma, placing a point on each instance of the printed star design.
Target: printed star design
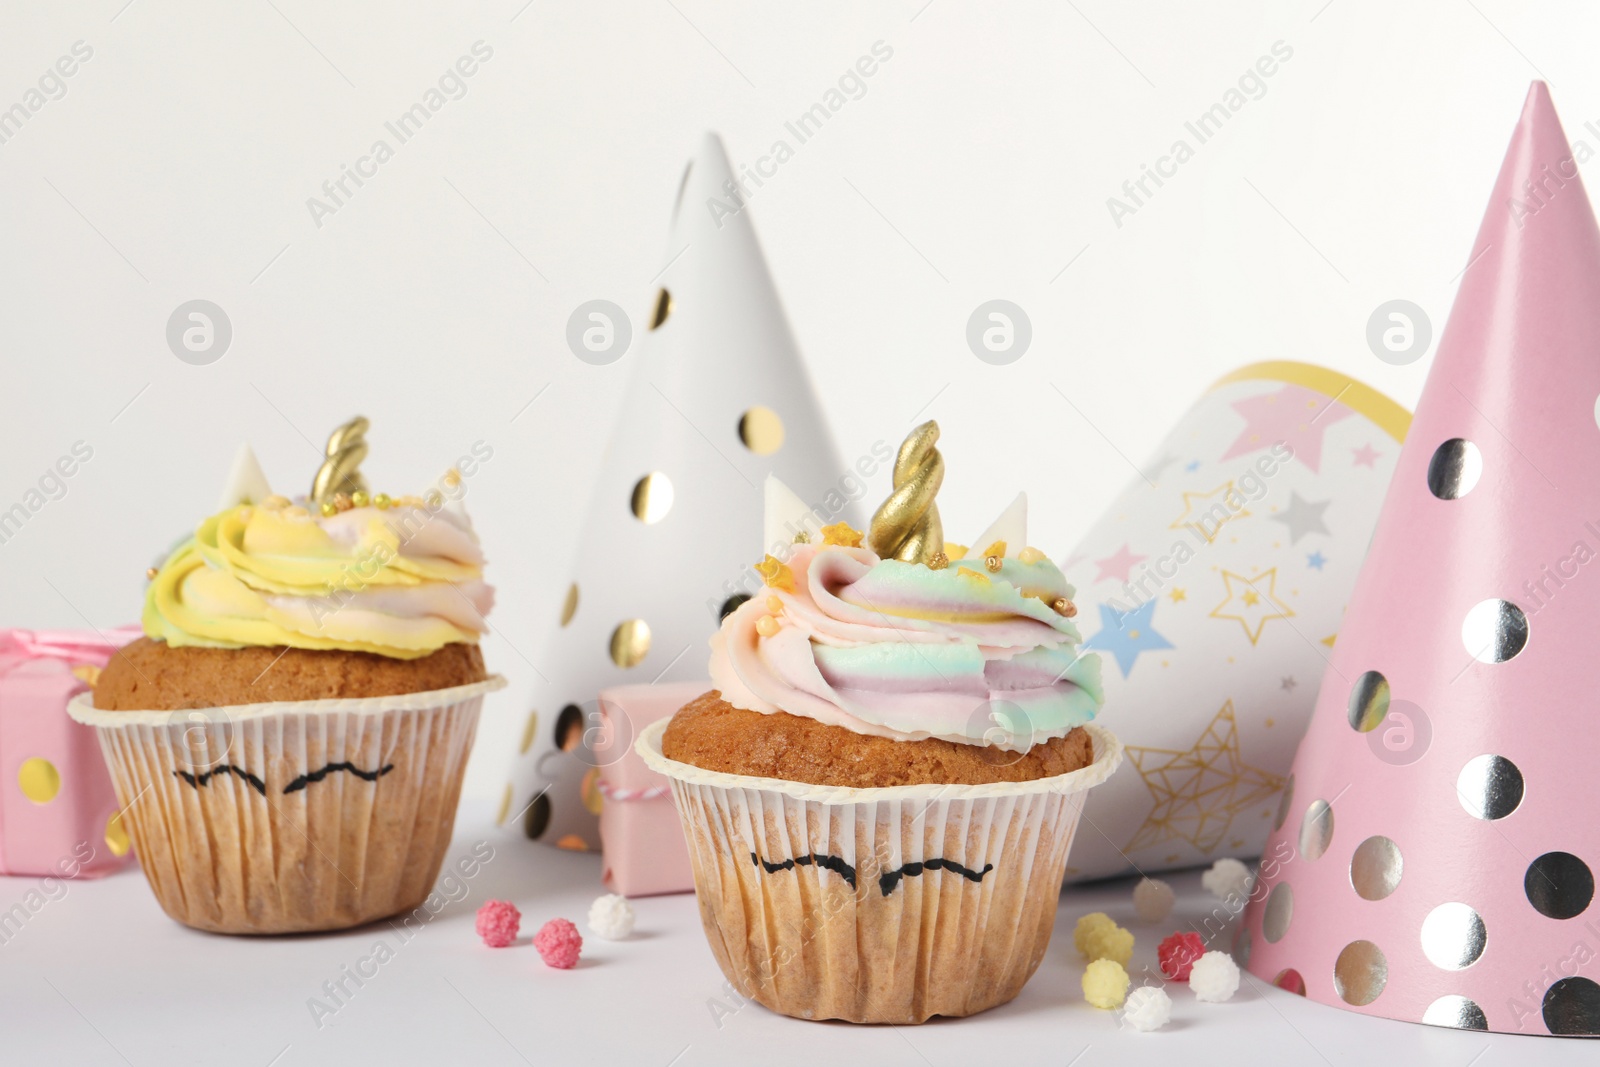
{"x": 1252, "y": 601}
{"x": 1198, "y": 791}
{"x": 1294, "y": 415}
{"x": 1366, "y": 456}
{"x": 1192, "y": 466}
{"x": 1117, "y": 565}
{"x": 1153, "y": 471}
{"x": 1288, "y": 684}
{"x": 1178, "y": 594}
{"x": 1198, "y": 510}
{"x": 1315, "y": 561}
{"x": 1126, "y": 634}
{"x": 1302, "y": 516}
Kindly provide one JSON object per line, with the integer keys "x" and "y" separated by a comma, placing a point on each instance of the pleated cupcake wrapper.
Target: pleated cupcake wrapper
{"x": 886, "y": 905}
{"x": 291, "y": 816}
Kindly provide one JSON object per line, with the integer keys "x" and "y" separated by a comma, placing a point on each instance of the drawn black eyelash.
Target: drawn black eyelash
{"x": 886, "y": 881}
{"x": 203, "y": 778}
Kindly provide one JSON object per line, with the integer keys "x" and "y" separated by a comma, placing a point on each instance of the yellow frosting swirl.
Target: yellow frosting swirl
{"x": 401, "y": 582}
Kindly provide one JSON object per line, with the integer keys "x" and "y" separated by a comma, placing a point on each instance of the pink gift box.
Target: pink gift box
{"x": 641, "y": 839}
{"x": 58, "y": 812}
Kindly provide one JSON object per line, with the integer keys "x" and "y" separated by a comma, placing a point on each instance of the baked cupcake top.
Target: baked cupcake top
{"x": 353, "y": 571}
{"x": 975, "y": 646}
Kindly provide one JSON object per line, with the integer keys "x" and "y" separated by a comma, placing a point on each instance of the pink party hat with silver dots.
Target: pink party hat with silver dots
{"x": 1437, "y": 844}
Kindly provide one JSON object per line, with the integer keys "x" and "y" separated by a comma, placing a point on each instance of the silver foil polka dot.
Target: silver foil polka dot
{"x": 1453, "y": 936}
{"x": 1278, "y": 913}
{"x": 1494, "y": 631}
{"x": 1454, "y": 469}
{"x": 1360, "y": 973}
{"x": 1316, "y": 830}
{"x": 1489, "y": 787}
{"x": 1369, "y": 702}
{"x": 1376, "y": 867}
{"x": 1456, "y": 1011}
{"x": 1572, "y": 1007}
{"x": 1559, "y": 884}
{"x": 1289, "y": 979}
{"x": 1241, "y": 947}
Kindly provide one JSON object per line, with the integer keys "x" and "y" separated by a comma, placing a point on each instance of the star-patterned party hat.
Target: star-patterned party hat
{"x": 1213, "y": 587}
{"x": 719, "y": 400}
{"x": 1436, "y": 855}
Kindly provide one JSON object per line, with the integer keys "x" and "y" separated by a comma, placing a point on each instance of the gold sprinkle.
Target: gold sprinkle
{"x": 993, "y": 562}
{"x": 452, "y": 476}
{"x": 766, "y": 626}
{"x": 968, "y": 572}
{"x": 341, "y": 501}
{"x": 843, "y": 534}
{"x": 802, "y": 538}
{"x": 774, "y": 605}
{"x": 329, "y": 509}
{"x": 359, "y": 498}
{"x": 954, "y": 551}
{"x": 150, "y": 573}
{"x": 1030, "y": 555}
{"x": 776, "y": 574}
{"x": 275, "y": 502}
{"x": 1065, "y": 607}
{"x": 938, "y": 561}
{"x": 996, "y": 549}
{"x": 382, "y": 501}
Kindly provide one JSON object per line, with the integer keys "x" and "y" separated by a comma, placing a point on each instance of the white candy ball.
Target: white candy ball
{"x": 1228, "y": 879}
{"x": 1147, "y": 1008}
{"x": 1152, "y": 900}
{"x": 1215, "y": 977}
{"x": 611, "y": 917}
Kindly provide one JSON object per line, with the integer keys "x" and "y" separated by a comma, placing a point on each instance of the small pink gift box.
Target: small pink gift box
{"x": 58, "y": 814}
{"x": 641, "y": 839}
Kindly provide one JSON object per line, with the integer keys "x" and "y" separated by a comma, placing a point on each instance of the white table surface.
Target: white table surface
{"x": 100, "y": 976}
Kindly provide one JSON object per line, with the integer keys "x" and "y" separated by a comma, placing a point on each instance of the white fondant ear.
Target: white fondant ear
{"x": 1011, "y": 527}
{"x": 246, "y": 484}
{"x": 784, "y": 514}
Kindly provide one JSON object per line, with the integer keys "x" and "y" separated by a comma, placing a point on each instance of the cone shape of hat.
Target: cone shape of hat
{"x": 719, "y": 399}
{"x": 1437, "y": 845}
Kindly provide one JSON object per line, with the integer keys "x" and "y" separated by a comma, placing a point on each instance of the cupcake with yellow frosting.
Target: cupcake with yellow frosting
{"x": 288, "y": 739}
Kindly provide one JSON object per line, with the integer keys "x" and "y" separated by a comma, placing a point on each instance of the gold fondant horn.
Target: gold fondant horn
{"x": 906, "y": 526}
{"x": 341, "y": 471}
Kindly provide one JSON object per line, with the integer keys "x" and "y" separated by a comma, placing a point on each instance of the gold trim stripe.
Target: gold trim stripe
{"x": 1389, "y": 416}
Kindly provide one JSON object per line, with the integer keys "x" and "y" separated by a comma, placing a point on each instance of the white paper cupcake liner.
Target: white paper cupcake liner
{"x": 291, "y": 816}
{"x": 885, "y": 905}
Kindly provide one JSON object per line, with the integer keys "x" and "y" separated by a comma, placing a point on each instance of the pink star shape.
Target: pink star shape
{"x": 1367, "y": 456}
{"x": 1294, "y": 415}
{"x": 1117, "y": 565}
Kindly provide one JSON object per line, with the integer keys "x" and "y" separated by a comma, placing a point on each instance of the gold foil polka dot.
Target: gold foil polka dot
{"x": 1360, "y": 973}
{"x": 117, "y": 835}
{"x": 1284, "y": 803}
{"x": 505, "y": 806}
{"x": 761, "y": 430}
{"x": 652, "y": 497}
{"x": 536, "y": 819}
{"x": 1456, "y": 1011}
{"x": 630, "y": 642}
{"x": 1454, "y": 469}
{"x": 569, "y": 608}
{"x": 1369, "y": 702}
{"x": 662, "y": 309}
{"x": 1316, "y": 830}
{"x": 1453, "y": 936}
{"x": 1489, "y": 787}
{"x": 39, "y": 779}
{"x": 530, "y": 730}
{"x": 1494, "y": 631}
{"x": 1289, "y": 980}
{"x": 1559, "y": 884}
{"x": 1376, "y": 867}
{"x": 731, "y": 605}
{"x": 589, "y": 791}
{"x": 1279, "y": 911}
{"x": 1572, "y": 1006}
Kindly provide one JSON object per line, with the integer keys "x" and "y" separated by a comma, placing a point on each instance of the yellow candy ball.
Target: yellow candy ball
{"x": 1087, "y": 926}
{"x": 1105, "y": 984}
{"x": 1110, "y": 943}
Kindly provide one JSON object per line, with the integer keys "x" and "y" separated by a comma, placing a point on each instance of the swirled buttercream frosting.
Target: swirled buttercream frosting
{"x": 401, "y": 581}
{"x": 964, "y": 652}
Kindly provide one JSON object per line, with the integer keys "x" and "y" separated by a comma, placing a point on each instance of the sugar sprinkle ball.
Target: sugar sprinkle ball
{"x": 611, "y": 917}
{"x": 1105, "y": 983}
{"x": 498, "y": 922}
{"x": 1215, "y": 977}
{"x": 1177, "y": 954}
{"x": 1152, "y": 900}
{"x": 1148, "y": 1008}
{"x": 559, "y": 944}
{"x": 1227, "y": 879}
{"x": 1099, "y": 938}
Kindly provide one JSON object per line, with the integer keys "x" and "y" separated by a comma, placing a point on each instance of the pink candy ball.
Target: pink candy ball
{"x": 559, "y": 944}
{"x": 498, "y": 921}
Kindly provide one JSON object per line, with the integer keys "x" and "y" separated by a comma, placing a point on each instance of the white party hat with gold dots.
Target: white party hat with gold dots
{"x": 719, "y": 400}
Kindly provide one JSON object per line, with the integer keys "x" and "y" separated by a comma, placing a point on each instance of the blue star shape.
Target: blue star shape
{"x": 1315, "y": 561}
{"x": 1126, "y": 634}
{"x": 1192, "y": 465}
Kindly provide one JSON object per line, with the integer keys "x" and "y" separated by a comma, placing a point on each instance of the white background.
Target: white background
{"x": 976, "y": 165}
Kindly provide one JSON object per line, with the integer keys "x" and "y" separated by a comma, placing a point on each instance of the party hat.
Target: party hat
{"x": 719, "y": 399}
{"x": 1436, "y": 850}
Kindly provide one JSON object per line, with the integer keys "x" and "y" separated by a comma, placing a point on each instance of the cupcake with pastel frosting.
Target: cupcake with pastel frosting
{"x": 880, "y": 791}
{"x": 289, "y": 736}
